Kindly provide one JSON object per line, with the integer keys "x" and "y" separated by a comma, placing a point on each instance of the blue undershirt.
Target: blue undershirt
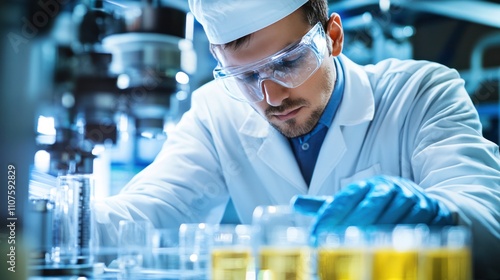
{"x": 306, "y": 147}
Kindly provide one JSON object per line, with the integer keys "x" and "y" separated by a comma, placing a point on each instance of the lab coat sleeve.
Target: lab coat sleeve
{"x": 455, "y": 164}
{"x": 183, "y": 184}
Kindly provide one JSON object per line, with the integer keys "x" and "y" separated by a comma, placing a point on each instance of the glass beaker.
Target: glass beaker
{"x": 72, "y": 223}
{"x": 231, "y": 253}
{"x": 342, "y": 254}
{"x": 446, "y": 254}
{"x": 65, "y": 223}
{"x": 281, "y": 243}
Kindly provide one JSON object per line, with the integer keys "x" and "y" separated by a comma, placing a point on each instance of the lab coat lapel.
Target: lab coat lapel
{"x": 358, "y": 94}
{"x": 277, "y": 154}
{"x": 273, "y": 150}
{"x": 330, "y": 155}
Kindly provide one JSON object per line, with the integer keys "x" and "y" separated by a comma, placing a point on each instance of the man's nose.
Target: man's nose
{"x": 274, "y": 92}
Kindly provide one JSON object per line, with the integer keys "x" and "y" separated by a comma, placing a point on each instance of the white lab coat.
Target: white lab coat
{"x": 411, "y": 119}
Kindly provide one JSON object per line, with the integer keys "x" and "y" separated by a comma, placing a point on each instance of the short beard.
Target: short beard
{"x": 290, "y": 128}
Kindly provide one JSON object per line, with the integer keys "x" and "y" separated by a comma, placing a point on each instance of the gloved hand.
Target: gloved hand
{"x": 378, "y": 200}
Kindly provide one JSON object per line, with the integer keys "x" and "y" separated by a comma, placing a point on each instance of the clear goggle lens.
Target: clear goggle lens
{"x": 289, "y": 67}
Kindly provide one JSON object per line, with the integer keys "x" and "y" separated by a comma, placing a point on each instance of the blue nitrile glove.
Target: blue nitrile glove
{"x": 378, "y": 200}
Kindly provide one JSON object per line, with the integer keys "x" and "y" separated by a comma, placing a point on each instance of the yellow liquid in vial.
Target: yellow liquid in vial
{"x": 341, "y": 264}
{"x": 230, "y": 264}
{"x": 284, "y": 264}
{"x": 390, "y": 264}
{"x": 446, "y": 264}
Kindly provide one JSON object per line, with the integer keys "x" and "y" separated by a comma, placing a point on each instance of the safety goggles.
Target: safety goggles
{"x": 289, "y": 67}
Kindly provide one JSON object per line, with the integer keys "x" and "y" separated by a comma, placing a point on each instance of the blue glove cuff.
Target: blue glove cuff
{"x": 444, "y": 216}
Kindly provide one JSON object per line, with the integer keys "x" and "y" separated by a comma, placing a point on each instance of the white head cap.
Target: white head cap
{"x": 227, "y": 20}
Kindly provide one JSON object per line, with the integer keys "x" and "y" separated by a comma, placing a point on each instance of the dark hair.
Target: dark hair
{"x": 314, "y": 11}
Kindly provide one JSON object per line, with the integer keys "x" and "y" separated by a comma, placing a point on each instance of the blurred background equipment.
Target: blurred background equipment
{"x": 91, "y": 89}
{"x": 80, "y": 79}
{"x": 459, "y": 34}
{"x": 127, "y": 71}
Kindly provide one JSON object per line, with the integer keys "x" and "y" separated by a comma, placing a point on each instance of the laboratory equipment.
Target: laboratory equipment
{"x": 100, "y": 73}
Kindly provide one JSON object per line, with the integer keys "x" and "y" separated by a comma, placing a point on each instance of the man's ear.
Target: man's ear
{"x": 336, "y": 33}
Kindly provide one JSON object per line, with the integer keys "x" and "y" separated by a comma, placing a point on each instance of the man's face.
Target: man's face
{"x": 292, "y": 111}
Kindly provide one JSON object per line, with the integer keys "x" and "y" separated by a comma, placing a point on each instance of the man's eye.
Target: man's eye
{"x": 249, "y": 77}
{"x": 291, "y": 61}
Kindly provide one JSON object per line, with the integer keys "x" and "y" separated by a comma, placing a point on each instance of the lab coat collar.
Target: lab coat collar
{"x": 274, "y": 151}
{"x": 357, "y": 107}
{"x": 358, "y": 104}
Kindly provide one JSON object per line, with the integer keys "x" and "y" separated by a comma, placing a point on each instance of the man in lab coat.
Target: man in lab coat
{"x": 289, "y": 119}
